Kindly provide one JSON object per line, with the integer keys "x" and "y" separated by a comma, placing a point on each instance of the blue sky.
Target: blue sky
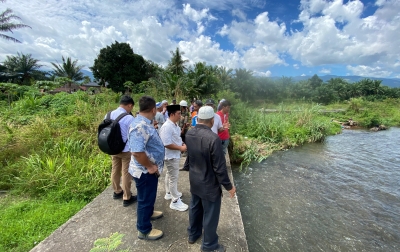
{"x": 271, "y": 38}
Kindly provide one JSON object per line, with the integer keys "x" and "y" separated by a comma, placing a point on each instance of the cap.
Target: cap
{"x": 159, "y": 104}
{"x": 164, "y": 101}
{"x": 205, "y": 113}
{"x": 222, "y": 100}
{"x": 210, "y": 101}
{"x": 173, "y": 108}
{"x": 183, "y": 103}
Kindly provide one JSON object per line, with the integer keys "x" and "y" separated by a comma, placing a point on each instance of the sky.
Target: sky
{"x": 269, "y": 37}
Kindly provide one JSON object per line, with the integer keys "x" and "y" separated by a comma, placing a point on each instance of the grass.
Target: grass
{"x": 25, "y": 222}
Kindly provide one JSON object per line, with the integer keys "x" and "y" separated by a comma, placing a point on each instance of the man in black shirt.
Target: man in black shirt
{"x": 206, "y": 175}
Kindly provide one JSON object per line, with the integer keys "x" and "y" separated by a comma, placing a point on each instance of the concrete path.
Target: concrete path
{"x": 105, "y": 216}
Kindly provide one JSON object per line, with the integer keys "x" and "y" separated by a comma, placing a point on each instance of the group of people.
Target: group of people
{"x": 156, "y": 139}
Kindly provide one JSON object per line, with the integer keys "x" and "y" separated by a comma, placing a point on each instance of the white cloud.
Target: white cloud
{"x": 194, "y": 15}
{"x": 303, "y": 75}
{"x": 362, "y": 70}
{"x": 203, "y": 49}
{"x": 325, "y": 71}
{"x": 333, "y": 33}
{"x": 263, "y": 74}
{"x": 260, "y": 57}
{"x": 238, "y": 13}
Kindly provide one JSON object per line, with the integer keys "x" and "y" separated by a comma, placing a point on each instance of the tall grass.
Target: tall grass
{"x": 49, "y": 155}
{"x": 259, "y": 133}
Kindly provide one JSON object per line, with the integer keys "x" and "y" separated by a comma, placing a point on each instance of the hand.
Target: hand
{"x": 232, "y": 192}
{"x": 183, "y": 148}
{"x": 153, "y": 169}
{"x": 226, "y": 125}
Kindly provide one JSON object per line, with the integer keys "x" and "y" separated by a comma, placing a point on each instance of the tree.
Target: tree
{"x": 69, "y": 69}
{"x": 23, "y": 65}
{"x": 177, "y": 64}
{"x": 225, "y": 77}
{"x": 117, "y": 64}
{"x": 243, "y": 84}
{"x": 6, "y": 24}
{"x": 315, "y": 81}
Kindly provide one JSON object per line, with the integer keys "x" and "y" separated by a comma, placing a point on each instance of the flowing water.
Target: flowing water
{"x": 340, "y": 195}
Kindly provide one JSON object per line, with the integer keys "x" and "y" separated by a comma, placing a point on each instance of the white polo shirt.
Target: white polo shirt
{"x": 170, "y": 133}
{"x": 217, "y": 124}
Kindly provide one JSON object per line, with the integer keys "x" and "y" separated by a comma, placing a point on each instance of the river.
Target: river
{"x": 339, "y": 195}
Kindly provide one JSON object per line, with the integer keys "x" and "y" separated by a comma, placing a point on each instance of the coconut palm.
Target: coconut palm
{"x": 69, "y": 69}
{"x": 22, "y": 65}
{"x": 6, "y": 24}
{"x": 177, "y": 64}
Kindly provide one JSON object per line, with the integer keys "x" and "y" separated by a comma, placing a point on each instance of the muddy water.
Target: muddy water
{"x": 340, "y": 195}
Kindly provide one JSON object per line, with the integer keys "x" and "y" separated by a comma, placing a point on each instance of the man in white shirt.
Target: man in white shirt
{"x": 170, "y": 134}
{"x": 217, "y": 126}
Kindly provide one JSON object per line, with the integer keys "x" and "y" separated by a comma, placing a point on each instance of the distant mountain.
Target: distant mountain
{"x": 385, "y": 81}
{"x": 88, "y": 73}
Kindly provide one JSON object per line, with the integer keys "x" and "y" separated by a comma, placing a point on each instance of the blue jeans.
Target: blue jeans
{"x": 225, "y": 144}
{"x": 204, "y": 214}
{"x": 146, "y": 188}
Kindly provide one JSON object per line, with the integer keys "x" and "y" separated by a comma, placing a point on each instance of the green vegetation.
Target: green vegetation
{"x": 108, "y": 244}
{"x": 25, "y": 222}
{"x": 51, "y": 165}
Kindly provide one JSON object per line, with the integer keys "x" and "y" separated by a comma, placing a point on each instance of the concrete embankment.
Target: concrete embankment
{"x": 105, "y": 216}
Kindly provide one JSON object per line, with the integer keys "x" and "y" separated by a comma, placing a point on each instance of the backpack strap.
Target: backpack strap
{"x": 108, "y": 116}
{"x": 121, "y": 116}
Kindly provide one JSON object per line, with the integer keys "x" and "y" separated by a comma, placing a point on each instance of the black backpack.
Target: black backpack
{"x": 109, "y": 135}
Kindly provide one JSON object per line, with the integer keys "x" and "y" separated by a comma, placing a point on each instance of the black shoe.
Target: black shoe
{"x": 183, "y": 169}
{"x": 193, "y": 241}
{"x": 220, "y": 248}
{"x": 129, "y": 201}
{"x": 118, "y": 195}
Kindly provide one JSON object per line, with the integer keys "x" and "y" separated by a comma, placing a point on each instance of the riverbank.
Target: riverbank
{"x": 259, "y": 134}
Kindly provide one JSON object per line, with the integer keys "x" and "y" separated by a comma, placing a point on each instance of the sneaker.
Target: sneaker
{"x": 168, "y": 196}
{"x": 154, "y": 234}
{"x": 220, "y": 248}
{"x": 156, "y": 215}
{"x": 129, "y": 201}
{"x": 178, "y": 205}
{"x": 118, "y": 195}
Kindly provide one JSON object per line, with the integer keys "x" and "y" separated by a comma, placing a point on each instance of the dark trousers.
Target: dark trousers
{"x": 204, "y": 214}
{"x": 146, "y": 188}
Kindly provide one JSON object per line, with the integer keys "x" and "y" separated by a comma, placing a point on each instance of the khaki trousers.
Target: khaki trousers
{"x": 120, "y": 165}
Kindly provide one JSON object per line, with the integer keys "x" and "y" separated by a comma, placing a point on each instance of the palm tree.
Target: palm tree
{"x": 23, "y": 65}
{"x": 69, "y": 69}
{"x": 225, "y": 76}
{"x": 6, "y": 24}
{"x": 177, "y": 64}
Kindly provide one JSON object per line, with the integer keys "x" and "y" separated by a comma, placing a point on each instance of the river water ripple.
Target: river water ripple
{"x": 340, "y": 195}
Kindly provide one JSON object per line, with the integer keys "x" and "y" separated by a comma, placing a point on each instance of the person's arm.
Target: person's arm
{"x": 166, "y": 137}
{"x": 219, "y": 164}
{"x": 144, "y": 160}
{"x": 176, "y": 147}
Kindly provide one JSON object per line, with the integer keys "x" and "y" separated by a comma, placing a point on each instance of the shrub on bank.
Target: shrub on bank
{"x": 266, "y": 132}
